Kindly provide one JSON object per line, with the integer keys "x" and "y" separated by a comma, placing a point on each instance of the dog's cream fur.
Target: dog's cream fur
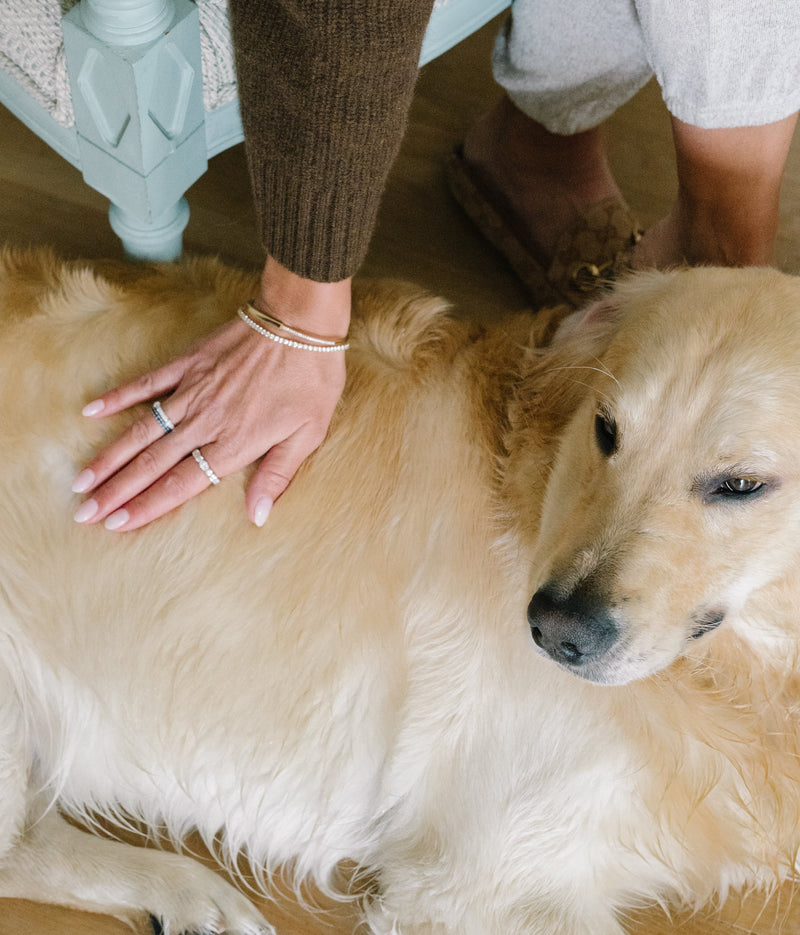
{"x": 357, "y": 680}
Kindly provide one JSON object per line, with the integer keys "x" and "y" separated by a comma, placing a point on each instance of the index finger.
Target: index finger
{"x": 147, "y": 386}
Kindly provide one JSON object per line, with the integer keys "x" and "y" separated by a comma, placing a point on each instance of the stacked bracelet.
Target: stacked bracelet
{"x": 309, "y": 342}
{"x": 275, "y": 324}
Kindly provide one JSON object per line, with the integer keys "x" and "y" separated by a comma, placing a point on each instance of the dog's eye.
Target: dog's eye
{"x": 738, "y": 487}
{"x": 605, "y": 432}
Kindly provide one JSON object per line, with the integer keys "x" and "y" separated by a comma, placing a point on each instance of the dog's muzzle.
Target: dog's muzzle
{"x": 575, "y": 630}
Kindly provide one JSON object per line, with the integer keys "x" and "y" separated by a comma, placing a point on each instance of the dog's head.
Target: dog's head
{"x": 673, "y": 500}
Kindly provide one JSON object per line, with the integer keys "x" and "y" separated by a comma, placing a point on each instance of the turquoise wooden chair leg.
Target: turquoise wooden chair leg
{"x": 137, "y": 92}
{"x": 159, "y": 240}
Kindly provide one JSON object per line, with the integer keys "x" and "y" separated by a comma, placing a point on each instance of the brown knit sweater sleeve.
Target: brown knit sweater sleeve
{"x": 324, "y": 88}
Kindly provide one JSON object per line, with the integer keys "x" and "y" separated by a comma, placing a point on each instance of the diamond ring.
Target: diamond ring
{"x": 204, "y": 466}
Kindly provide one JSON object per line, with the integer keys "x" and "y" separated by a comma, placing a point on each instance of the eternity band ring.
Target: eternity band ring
{"x": 162, "y": 418}
{"x": 204, "y": 466}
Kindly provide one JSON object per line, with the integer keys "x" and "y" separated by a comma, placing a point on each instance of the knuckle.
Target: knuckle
{"x": 148, "y": 463}
{"x": 277, "y": 477}
{"x": 140, "y": 434}
{"x": 177, "y": 487}
{"x": 146, "y": 384}
{"x": 226, "y": 455}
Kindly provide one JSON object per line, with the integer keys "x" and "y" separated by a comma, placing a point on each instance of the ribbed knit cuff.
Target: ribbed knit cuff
{"x": 318, "y": 231}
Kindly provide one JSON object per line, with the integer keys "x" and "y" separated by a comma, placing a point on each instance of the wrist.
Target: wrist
{"x": 318, "y": 308}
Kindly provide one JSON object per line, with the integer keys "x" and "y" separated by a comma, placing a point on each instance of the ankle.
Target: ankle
{"x": 576, "y": 163}
{"x": 725, "y": 234}
{"x": 706, "y": 237}
{"x": 546, "y": 179}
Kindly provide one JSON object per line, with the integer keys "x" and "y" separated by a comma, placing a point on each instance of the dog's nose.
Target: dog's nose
{"x": 574, "y": 630}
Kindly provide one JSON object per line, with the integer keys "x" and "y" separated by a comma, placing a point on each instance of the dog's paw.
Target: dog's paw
{"x": 159, "y": 927}
{"x": 196, "y": 901}
{"x": 208, "y": 919}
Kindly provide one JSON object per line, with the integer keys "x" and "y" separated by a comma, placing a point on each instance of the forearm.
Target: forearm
{"x": 325, "y": 87}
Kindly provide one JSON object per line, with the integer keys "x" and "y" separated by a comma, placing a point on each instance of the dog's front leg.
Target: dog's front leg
{"x": 52, "y": 861}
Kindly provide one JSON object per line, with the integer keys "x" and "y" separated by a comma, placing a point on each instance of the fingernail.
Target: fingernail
{"x": 85, "y": 511}
{"x": 115, "y": 520}
{"x": 83, "y": 481}
{"x": 92, "y": 408}
{"x": 261, "y": 512}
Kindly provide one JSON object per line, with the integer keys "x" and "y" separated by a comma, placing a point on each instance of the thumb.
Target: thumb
{"x": 273, "y": 476}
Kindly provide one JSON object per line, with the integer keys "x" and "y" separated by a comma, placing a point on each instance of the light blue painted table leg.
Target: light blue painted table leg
{"x": 160, "y": 240}
{"x": 136, "y": 83}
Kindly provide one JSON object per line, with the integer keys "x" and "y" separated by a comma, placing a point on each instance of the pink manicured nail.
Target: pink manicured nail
{"x": 117, "y": 519}
{"x": 83, "y": 481}
{"x": 261, "y": 512}
{"x": 85, "y": 511}
{"x": 92, "y": 408}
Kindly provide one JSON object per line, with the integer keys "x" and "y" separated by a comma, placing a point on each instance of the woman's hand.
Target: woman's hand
{"x": 236, "y": 396}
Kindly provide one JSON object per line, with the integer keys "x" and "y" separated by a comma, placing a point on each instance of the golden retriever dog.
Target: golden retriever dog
{"x": 520, "y": 641}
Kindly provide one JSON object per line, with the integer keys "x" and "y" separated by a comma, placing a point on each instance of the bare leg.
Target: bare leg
{"x": 727, "y": 208}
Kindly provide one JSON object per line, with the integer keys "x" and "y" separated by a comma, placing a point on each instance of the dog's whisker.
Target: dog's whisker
{"x": 597, "y": 367}
{"x": 589, "y": 386}
{"x": 569, "y": 367}
{"x": 601, "y": 393}
{"x": 605, "y": 371}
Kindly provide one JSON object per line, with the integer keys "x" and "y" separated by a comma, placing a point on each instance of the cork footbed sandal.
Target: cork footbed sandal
{"x": 588, "y": 255}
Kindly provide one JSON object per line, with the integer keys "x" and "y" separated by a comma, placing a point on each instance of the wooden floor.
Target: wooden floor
{"x": 422, "y": 237}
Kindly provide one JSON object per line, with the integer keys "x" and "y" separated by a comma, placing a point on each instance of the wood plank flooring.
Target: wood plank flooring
{"x": 421, "y": 236}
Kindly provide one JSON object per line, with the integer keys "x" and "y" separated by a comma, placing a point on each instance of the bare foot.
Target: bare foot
{"x": 658, "y": 247}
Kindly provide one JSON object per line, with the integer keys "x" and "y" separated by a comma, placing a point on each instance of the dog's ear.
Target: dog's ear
{"x": 546, "y": 393}
{"x": 594, "y": 323}
{"x": 558, "y": 324}
{"x": 546, "y": 323}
